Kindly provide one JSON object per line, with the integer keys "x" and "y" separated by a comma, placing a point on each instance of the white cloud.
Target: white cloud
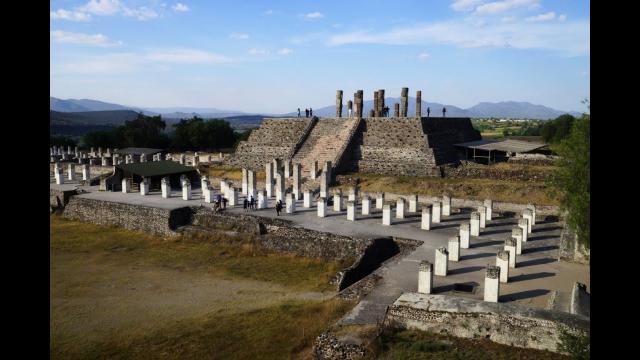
{"x": 502, "y": 6}
{"x": 142, "y": 13}
{"x": 465, "y": 5}
{"x": 562, "y": 17}
{"x": 542, "y": 17}
{"x": 186, "y": 56}
{"x": 313, "y": 15}
{"x": 67, "y": 37}
{"x": 258, "y": 52}
{"x": 102, "y": 7}
{"x": 508, "y": 19}
{"x": 62, "y": 14}
{"x": 423, "y": 56}
{"x": 285, "y": 51}
{"x": 268, "y": 12}
{"x": 565, "y": 37}
{"x": 240, "y": 36}
{"x": 180, "y": 7}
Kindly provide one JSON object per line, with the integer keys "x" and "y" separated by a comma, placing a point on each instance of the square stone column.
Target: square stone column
{"x": 327, "y": 168}
{"x": 528, "y": 214}
{"x": 71, "y": 172}
{"x": 488, "y": 204}
{"x": 86, "y": 172}
{"x": 223, "y": 187}
{"x": 143, "y": 158}
{"x": 183, "y": 159}
{"x": 400, "y": 208}
{"x": 279, "y": 187}
{"x": 306, "y": 198}
{"x": 386, "y": 214}
{"x": 144, "y": 187}
{"x": 321, "y": 204}
{"x": 483, "y": 216}
{"x": 287, "y": 169}
{"x": 251, "y": 184}
{"x": 92, "y": 162}
{"x": 516, "y": 233}
{"x": 436, "y": 212}
{"x": 208, "y": 194}
{"x": 442, "y": 261}
{"x": 263, "y": 199}
{"x": 244, "y": 181}
{"x": 352, "y": 194}
{"x": 232, "y": 195}
{"x": 324, "y": 185}
{"x": 277, "y": 166}
{"x": 492, "y": 284}
{"x": 105, "y": 161}
{"x": 533, "y": 213}
{"x": 59, "y": 176}
{"x": 510, "y": 245}
{"x": 379, "y": 200}
{"x": 454, "y": 248}
{"x": 268, "y": 179}
{"x": 425, "y": 277}
{"x": 126, "y": 185}
{"x": 425, "y": 223}
{"x": 337, "y": 201}
{"x": 351, "y": 210}
{"x": 413, "y": 203}
{"x": 464, "y": 232}
{"x": 446, "y": 205}
{"x": 475, "y": 223}
{"x": 297, "y": 178}
{"x": 186, "y": 190}
{"x": 290, "y": 203}
{"x": 524, "y": 225}
{"x": 366, "y": 205}
{"x": 203, "y": 183}
{"x": 313, "y": 171}
{"x": 502, "y": 261}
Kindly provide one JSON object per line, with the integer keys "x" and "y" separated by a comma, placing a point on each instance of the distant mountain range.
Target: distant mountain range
{"x": 506, "y": 109}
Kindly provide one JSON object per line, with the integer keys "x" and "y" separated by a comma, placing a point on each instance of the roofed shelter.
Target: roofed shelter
{"x": 488, "y": 151}
{"x": 155, "y": 171}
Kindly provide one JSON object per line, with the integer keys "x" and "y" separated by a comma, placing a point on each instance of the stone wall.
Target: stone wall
{"x": 132, "y": 217}
{"x": 504, "y": 323}
{"x": 468, "y": 169}
{"x": 60, "y": 198}
{"x": 570, "y": 250}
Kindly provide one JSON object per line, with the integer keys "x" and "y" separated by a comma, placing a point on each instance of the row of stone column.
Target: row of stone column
{"x": 400, "y": 109}
{"x": 71, "y": 173}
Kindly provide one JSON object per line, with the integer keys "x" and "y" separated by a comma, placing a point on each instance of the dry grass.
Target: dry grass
{"x": 231, "y": 173}
{"x": 122, "y": 294}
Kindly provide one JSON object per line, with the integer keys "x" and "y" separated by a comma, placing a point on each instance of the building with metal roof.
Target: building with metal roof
{"x": 137, "y": 151}
{"x": 154, "y": 171}
{"x": 499, "y": 150}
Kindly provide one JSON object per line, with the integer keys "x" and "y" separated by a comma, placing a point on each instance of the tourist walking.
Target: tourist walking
{"x": 444, "y": 111}
{"x": 278, "y": 207}
{"x": 252, "y": 203}
{"x": 306, "y": 112}
{"x": 224, "y": 203}
{"x": 298, "y": 112}
{"x": 244, "y": 204}
{"x": 428, "y": 111}
{"x": 310, "y": 112}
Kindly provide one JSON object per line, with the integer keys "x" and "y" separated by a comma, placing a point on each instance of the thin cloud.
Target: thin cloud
{"x": 423, "y": 56}
{"x": 142, "y": 13}
{"x": 258, "y": 52}
{"x": 62, "y": 14}
{"x": 285, "y": 51}
{"x": 102, "y": 7}
{"x": 542, "y": 17}
{"x": 314, "y": 15}
{"x": 239, "y": 36}
{"x": 502, "y": 6}
{"x": 186, "y": 56}
{"x": 67, "y": 37}
{"x": 465, "y": 5}
{"x": 268, "y": 12}
{"x": 180, "y": 7}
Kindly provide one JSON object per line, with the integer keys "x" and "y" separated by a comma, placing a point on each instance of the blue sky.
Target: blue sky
{"x": 276, "y": 56}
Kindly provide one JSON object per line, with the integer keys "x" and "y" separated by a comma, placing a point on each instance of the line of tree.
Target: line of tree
{"x": 553, "y": 132}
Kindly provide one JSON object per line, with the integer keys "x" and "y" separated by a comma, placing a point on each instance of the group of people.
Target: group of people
{"x": 249, "y": 204}
{"x": 307, "y": 112}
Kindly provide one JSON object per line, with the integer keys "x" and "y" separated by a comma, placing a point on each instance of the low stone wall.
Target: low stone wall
{"x": 132, "y": 217}
{"x": 60, "y": 198}
{"x": 580, "y": 300}
{"x": 327, "y": 346}
{"x": 570, "y": 250}
{"x": 479, "y": 171}
{"x": 508, "y": 324}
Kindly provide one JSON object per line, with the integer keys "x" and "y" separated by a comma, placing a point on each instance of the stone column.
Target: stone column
{"x": 313, "y": 171}
{"x": 380, "y": 102}
{"x": 208, "y": 194}
{"x": 454, "y": 248}
{"x": 290, "y": 204}
{"x": 524, "y": 225}
{"x": 400, "y": 208}
{"x": 196, "y": 159}
{"x": 528, "y": 214}
{"x": 287, "y": 169}
{"x": 425, "y": 223}
{"x": 165, "y": 186}
{"x": 71, "y": 172}
{"x": 371, "y": 113}
{"x": 186, "y": 189}
{"x": 510, "y": 245}
{"x": 203, "y": 183}
{"x": 446, "y": 205}
{"x": 143, "y": 158}
{"x": 127, "y": 159}
{"x": 64, "y": 156}
{"x": 59, "y": 176}
{"x": 533, "y": 213}
{"x": 464, "y": 233}
{"x": 168, "y": 157}
{"x": 263, "y": 199}
{"x": 516, "y": 233}
{"x": 327, "y": 168}
{"x": 483, "y": 216}
{"x": 251, "y": 183}
{"x": 306, "y": 198}
{"x": 144, "y": 187}
{"x": 339, "y": 103}
{"x": 232, "y": 196}
{"x": 244, "y": 181}
{"x": 337, "y": 201}
{"x": 352, "y": 194}
{"x": 413, "y": 203}
{"x": 183, "y": 159}
{"x": 105, "y": 161}
{"x": 376, "y": 104}
{"x": 351, "y": 210}
{"x": 268, "y": 181}
{"x": 442, "y": 261}
{"x": 379, "y": 200}
{"x": 279, "y": 187}
{"x": 488, "y": 204}
{"x": 92, "y": 162}
{"x": 396, "y": 110}
{"x": 502, "y": 261}
{"x": 322, "y": 207}
{"x": 492, "y": 284}
{"x": 297, "y": 177}
{"x": 366, "y": 205}
{"x": 223, "y": 186}
{"x": 386, "y": 214}
{"x": 360, "y": 103}
{"x": 126, "y": 185}
{"x": 404, "y": 101}
{"x": 324, "y": 184}
{"x": 86, "y": 172}
{"x": 437, "y": 212}
{"x": 475, "y": 224}
{"x": 419, "y": 104}
{"x": 425, "y": 277}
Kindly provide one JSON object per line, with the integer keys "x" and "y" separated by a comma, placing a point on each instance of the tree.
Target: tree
{"x": 571, "y": 181}
{"x": 555, "y": 131}
{"x": 100, "y": 139}
{"x": 198, "y": 134}
{"x": 62, "y": 141}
